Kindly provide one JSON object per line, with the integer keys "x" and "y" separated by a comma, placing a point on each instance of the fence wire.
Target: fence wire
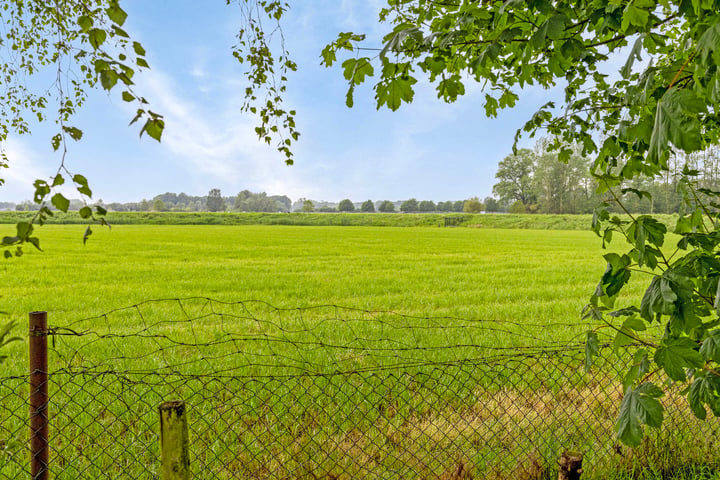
{"x": 330, "y": 392}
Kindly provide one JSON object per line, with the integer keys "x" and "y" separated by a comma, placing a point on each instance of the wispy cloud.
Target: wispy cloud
{"x": 218, "y": 144}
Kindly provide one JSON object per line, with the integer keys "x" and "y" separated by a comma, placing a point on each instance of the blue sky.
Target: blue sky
{"x": 427, "y": 150}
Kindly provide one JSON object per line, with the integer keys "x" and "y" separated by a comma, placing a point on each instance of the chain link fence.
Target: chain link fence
{"x": 330, "y": 393}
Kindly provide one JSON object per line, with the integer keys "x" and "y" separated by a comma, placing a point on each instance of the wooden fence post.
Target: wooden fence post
{"x": 570, "y": 466}
{"x": 174, "y": 449}
{"x": 39, "y": 421}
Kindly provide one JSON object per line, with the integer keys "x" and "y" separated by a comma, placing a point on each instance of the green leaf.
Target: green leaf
{"x": 639, "y": 406}
{"x": 634, "y": 16}
{"x": 709, "y": 41}
{"x": 82, "y": 185}
{"x": 710, "y": 348}
{"x": 572, "y": 49}
{"x": 676, "y": 122}
{"x": 705, "y": 390}
{"x": 24, "y": 230}
{"x": 616, "y": 275}
{"x": 659, "y": 299}
{"x": 56, "y": 141}
{"x": 116, "y": 14}
{"x": 394, "y": 92}
{"x": 75, "y": 133}
{"x": 592, "y": 348}
{"x": 58, "y": 180}
{"x": 139, "y": 50}
{"x": 60, "y": 202}
{"x": 85, "y": 23}
{"x": 538, "y": 39}
{"x": 154, "y": 128}
{"x": 86, "y": 235}
{"x": 356, "y": 69}
{"x": 674, "y": 355}
{"x": 127, "y": 96}
{"x": 42, "y": 189}
{"x": 639, "y": 367}
{"x": 623, "y": 338}
{"x": 85, "y": 212}
{"x": 556, "y": 26}
{"x": 108, "y": 78}
{"x": 626, "y": 70}
{"x": 450, "y": 88}
{"x": 97, "y": 37}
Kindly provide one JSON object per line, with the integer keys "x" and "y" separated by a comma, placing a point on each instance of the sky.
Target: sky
{"x": 428, "y": 150}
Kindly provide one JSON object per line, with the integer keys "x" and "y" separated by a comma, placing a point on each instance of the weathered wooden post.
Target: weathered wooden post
{"x": 39, "y": 421}
{"x": 174, "y": 449}
{"x": 570, "y": 466}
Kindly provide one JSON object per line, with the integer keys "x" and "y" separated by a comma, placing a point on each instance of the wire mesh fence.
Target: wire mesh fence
{"x": 328, "y": 392}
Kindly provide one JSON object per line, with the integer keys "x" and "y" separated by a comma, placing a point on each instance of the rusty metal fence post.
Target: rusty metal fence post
{"x": 39, "y": 421}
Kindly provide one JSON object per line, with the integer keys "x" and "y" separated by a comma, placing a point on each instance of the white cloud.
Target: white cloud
{"x": 25, "y": 166}
{"x": 218, "y": 144}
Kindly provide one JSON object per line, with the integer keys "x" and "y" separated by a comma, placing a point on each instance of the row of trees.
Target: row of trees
{"x": 412, "y": 205}
{"x": 535, "y": 181}
{"x": 247, "y": 201}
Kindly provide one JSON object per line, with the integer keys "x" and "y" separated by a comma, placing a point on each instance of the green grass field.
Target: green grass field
{"x": 496, "y": 274}
{"x": 470, "y": 286}
{"x": 534, "y": 278}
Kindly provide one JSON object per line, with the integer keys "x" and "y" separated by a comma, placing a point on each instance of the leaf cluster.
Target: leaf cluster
{"x": 681, "y": 302}
{"x": 263, "y": 50}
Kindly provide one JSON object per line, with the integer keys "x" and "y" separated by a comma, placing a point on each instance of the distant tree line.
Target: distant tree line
{"x": 247, "y": 201}
{"x": 412, "y": 205}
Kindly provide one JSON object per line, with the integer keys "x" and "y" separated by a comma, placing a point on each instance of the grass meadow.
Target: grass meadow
{"x": 500, "y": 288}
{"x": 522, "y": 275}
{"x": 536, "y": 279}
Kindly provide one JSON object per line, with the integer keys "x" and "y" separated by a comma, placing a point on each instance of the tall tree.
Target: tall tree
{"x": 427, "y": 206}
{"x": 445, "y": 206}
{"x": 562, "y": 187}
{"x": 241, "y": 199}
{"x": 409, "y": 206}
{"x": 308, "y": 206}
{"x": 215, "y": 202}
{"x": 386, "y": 207}
{"x": 346, "y": 205}
{"x": 473, "y": 205}
{"x": 515, "y": 175}
{"x": 367, "y": 206}
{"x": 492, "y": 205}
